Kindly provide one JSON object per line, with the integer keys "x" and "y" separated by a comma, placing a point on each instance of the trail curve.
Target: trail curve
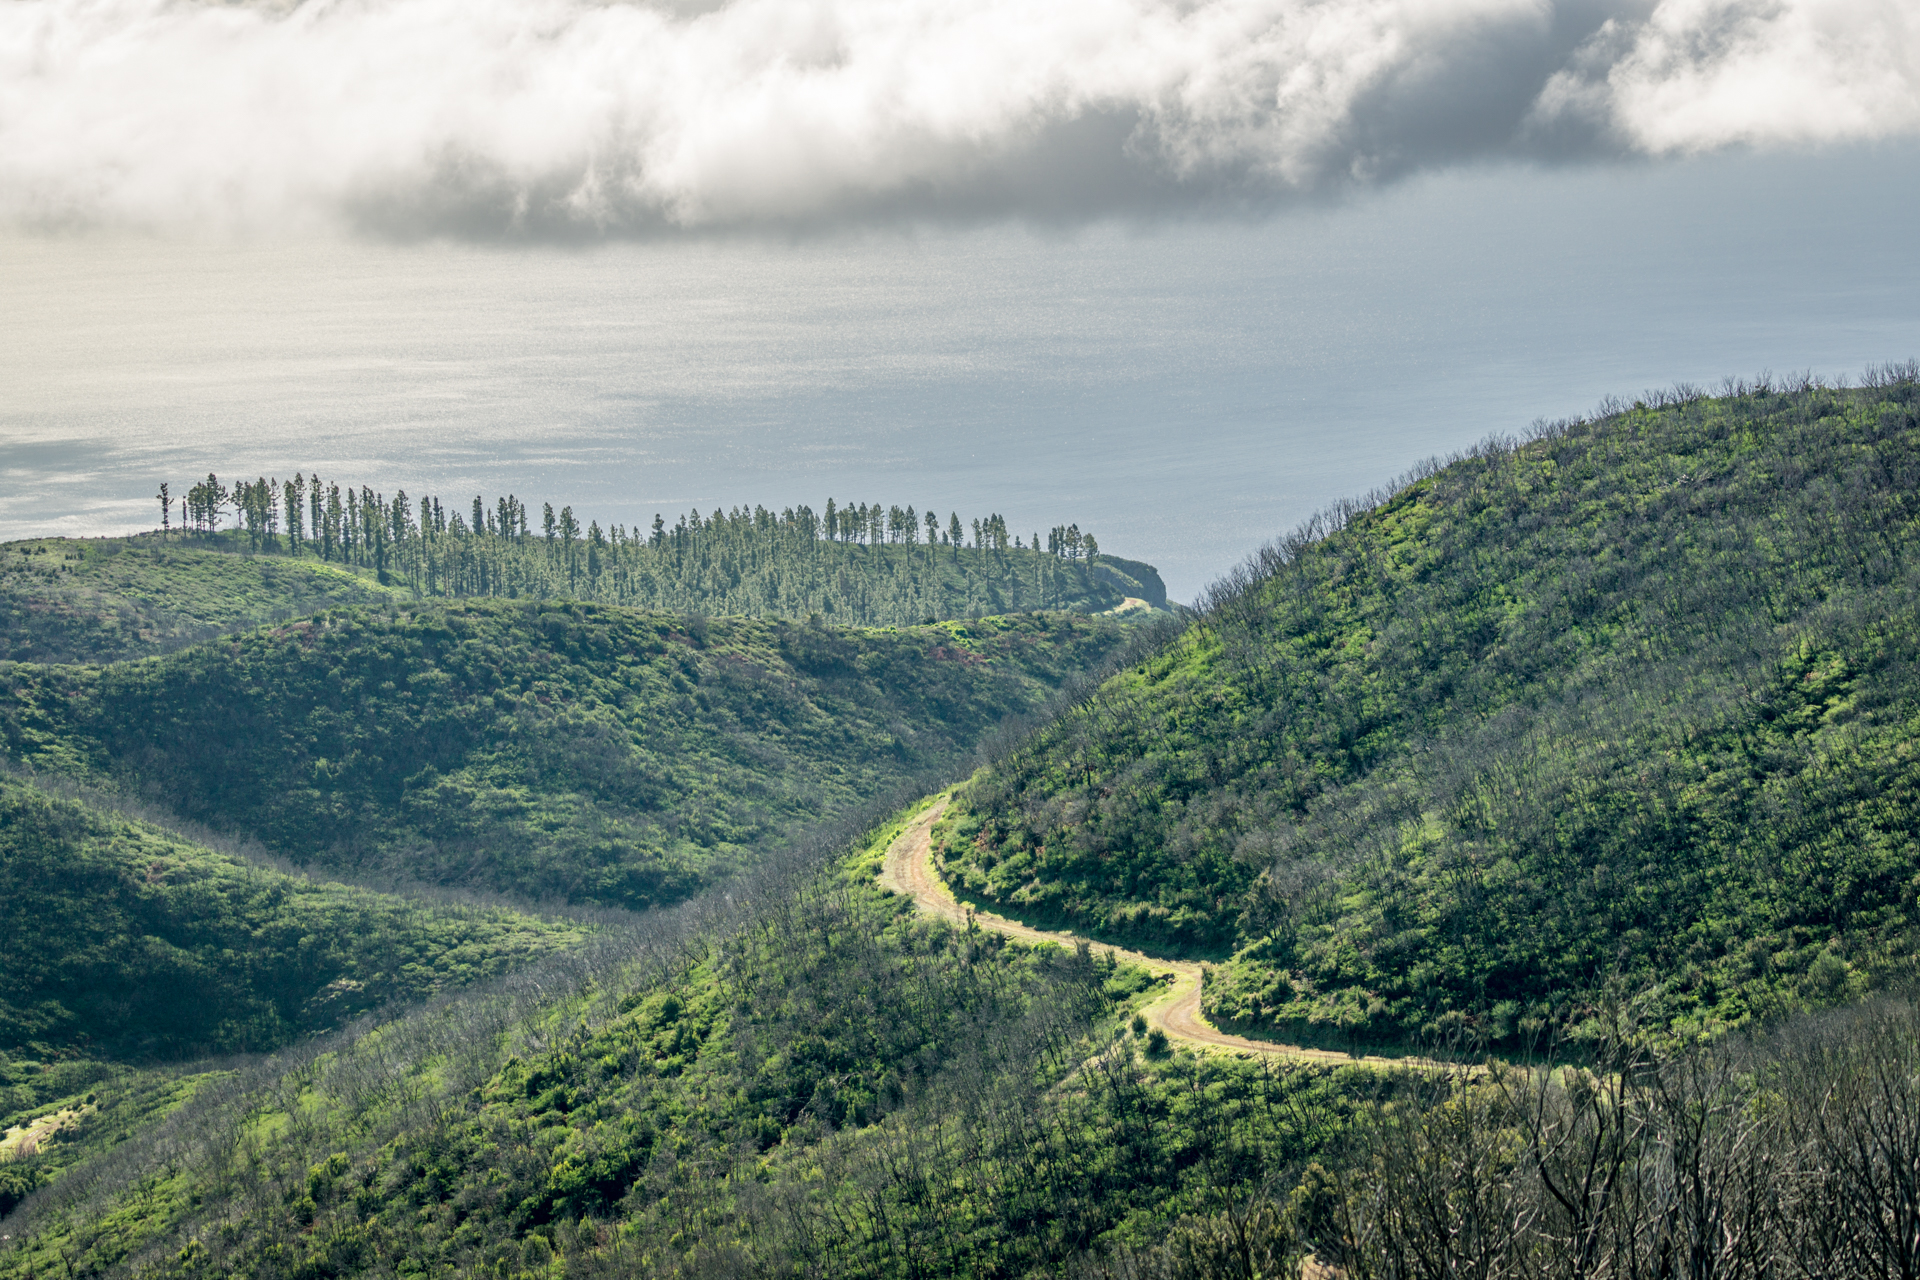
{"x": 908, "y": 871}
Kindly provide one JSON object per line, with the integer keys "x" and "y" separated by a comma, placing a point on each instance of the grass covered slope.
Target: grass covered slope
{"x": 122, "y": 940}
{"x": 1634, "y": 701}
{"x": 105, "y": 599}
{"x": 552, "y": 751}
{"x": 824, "y": 1083}
{"x": 831, "y": 1086}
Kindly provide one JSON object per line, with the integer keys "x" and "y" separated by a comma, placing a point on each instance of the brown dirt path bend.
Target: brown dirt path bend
{"x": 909, "y": 871}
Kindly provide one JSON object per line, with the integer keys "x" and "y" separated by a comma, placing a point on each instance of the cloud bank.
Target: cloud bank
{"x": 578, "y": 117}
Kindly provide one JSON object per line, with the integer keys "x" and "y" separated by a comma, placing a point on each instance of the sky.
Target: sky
{"x": 578, "y": 118}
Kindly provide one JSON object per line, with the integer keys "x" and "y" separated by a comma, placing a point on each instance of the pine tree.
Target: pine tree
{"x": 296, "y": 500}
{"x": 569, "y": 532}
{"x": 216, "y": 500}
{"x": 336, "y": 522}
{"x": 400, "y": 520}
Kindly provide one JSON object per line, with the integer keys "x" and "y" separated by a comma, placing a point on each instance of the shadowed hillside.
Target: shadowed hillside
{"x": 133, "y": 942}
{"x": 567, "y": 751}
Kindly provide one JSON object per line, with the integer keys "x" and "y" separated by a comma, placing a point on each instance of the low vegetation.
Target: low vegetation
{"x": 1586, "y": 764}
{"x": 823, "y": 1084}
{"x": 1634, "y": 699}
{"x": 106, "y": 599}
{"x": 95, "y": 1107}
{"x": 827, "y": 1086}
{"x": 551, "y": 751}
{"x": 127, "y": 952}
{"x": 121, "y": 940}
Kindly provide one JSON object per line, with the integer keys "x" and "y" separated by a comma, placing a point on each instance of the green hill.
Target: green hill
{"x": 108, "y": 599}
{"x": 297, "y": 549}
{"x": 121, "y": 940}
{"x": 127, "y": 950}
{"x": 105, "y": 599}
{"x": 1133, "y": 578}
{"x": 569, "y": 751}
{"x": 1604, "y": 740}
{"x": 825, "y": 1085}
{"x": 1635, "y": 701}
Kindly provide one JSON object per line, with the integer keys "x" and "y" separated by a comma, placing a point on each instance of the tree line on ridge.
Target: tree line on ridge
{"x": 858, "y": 564}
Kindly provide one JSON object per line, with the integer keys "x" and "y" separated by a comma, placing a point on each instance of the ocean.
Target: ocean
{"x": 1185, "y": 389}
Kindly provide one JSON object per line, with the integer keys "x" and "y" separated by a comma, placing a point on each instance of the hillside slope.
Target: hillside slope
{"x": 832, "y": 1086}
{"x": 826, "y": 1084}
{"x": 108, "y": 599}
{"x": 118, "y": 939}
{"x": 1634, "y": 702}
{"x": 570, "y": 751}
{"x": 105, "y": 599}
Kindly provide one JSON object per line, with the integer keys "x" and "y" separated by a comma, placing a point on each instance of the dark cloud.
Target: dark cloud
{"x": 569, "y": 119}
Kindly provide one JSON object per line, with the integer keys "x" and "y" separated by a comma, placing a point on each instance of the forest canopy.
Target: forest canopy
{"x": 266, "y": 551}
{"x": 863, "y": 564}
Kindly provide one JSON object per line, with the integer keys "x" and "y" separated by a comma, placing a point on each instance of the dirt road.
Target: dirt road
{"x": 909, "y": 871}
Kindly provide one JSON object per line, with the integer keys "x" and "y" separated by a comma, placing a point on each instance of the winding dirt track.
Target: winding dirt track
{"x": 909, "y": 871}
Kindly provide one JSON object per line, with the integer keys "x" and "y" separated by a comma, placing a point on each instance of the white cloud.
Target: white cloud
{"x": 569, "y": 117}
{"x": 1701, "y": 74}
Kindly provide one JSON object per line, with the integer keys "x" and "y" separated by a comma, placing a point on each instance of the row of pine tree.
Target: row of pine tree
{"x": 864, "y": 564}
